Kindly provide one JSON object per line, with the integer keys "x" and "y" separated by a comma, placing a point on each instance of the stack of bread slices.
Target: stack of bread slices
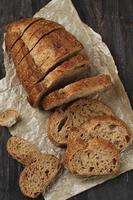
{"x": 53, "y": 68}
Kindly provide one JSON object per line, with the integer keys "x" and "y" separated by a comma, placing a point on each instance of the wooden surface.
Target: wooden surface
{"x": 113, "y": 19}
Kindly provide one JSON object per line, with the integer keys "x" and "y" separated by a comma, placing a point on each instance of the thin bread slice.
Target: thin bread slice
{"x": 110, "y": 128}
{"x": 81, "y": 88}
{"x": 36, "y": 178}
{"x": 33, "y": 35}
{"x": 73, "y": 69}
{"x": 16, "y": 29}
{"x": 9, "y": 117}
{"x": 74, "y": 115}
{"x": 93, "y": 158}
{"x": 53, "y": 49}
{"x": 22, "y": 151}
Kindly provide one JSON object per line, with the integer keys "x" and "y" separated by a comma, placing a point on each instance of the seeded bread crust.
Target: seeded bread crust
{"x": 84, "y": 87}
{"x": 22, "y": 151}
{"x": 61, "y": 121}
{"x": 36, "y": 177}
{"x": 65, "y": 73}
{"x": 89, "y": 156}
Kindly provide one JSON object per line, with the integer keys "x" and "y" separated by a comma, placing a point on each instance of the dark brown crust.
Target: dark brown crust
{"x": 15, "y": 30}
{"x": 71, "y": 66}
{"x": 62, "y": 96}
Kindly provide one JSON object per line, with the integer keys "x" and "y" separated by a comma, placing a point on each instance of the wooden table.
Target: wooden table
{"x": 113, "y": 19}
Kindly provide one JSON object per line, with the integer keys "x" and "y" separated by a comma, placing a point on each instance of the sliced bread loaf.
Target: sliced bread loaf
{"x": 9, "y": 117}
{"x": 92, "y": 158}
{"x": 22, "y": 151}
{"x": 32, "y": 36}
{"x": 73, "y": 69}
{"x": 16, "y": 29}
{"x": 74, "y": 115}
{"x": 107, "y": 127}
{"x": 35, "y": 178}
{"x": 81, "y": 88}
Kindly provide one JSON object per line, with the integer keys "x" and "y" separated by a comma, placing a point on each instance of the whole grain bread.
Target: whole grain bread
{"x": 16, "y": 29}
{"x": 22, "y": 151}
{"x": 82, "y": 88}
{"x": 9, "y": 117}
{"x": 110, "y": 128}
{"x": 36, "y": 178}
{"x": 74, "y": 115}
{"x": 70, "y": 70}
{"x": 92, "y": 158}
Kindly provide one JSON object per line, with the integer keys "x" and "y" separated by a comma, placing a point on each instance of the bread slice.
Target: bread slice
{"x": 35, "y": 178}
{"x": 33, "y": 35}
{"x": 82, "y": 88}
{"x": 16, "y": 29}
{"x": 22, "y": 151}
{"x": 9, "y": 117}
{"x": 74, "y": 115}
{"x": 93, "y": 158}
{"x": 70, "y": 70}
{"x": 53, "y": 49}
{"x": 110, "y": 128}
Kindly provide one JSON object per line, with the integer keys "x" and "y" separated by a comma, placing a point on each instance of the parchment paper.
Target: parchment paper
{"x": 33, "y": 126}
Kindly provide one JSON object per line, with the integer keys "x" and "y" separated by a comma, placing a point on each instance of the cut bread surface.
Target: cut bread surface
{"x": 110, "y": 128}
{"x": 35, "y": 178}
{"x": 74, "y": 115}
{"x": 22, "y": 151}
{"x": 70, "y": 70}
{"x": 82, "y": 88}
{"x": 96, "y": 157}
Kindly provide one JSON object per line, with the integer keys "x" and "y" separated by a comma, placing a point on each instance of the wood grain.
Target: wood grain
{"x": 113, "y": 19}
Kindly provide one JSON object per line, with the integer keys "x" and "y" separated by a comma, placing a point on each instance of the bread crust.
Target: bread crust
{"x": 63, "y": 74}
{"x": 82, "y": 88}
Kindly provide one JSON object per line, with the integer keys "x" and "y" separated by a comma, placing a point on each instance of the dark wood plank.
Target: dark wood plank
{"x": 113, "y": 20}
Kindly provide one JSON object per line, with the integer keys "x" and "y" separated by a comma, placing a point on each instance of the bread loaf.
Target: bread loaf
{"x": 74, "y": 115}
{"x": 92, "y": 158}
{"x": 9, "y": 117}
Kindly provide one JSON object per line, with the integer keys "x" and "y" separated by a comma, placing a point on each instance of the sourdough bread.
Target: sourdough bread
{"x": 70, "y": 70}
{"x": 74, "y": 115}
{"x": 92, "y": 158}
{"x": 36, "y": 178}
{"x": 82, "y": 88}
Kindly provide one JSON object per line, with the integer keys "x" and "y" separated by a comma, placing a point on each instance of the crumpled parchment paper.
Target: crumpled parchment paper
{"x": 33, "y": 127}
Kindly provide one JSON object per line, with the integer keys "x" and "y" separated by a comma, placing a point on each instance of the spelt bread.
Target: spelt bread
{"x": 32, "y": 36}
{"x": 9, "y": 117}
{"x": 73, "y": 69}
{"x": 81, "y": 88}
{"x": 74, "y": 115}
{"x": 110, "y": 128}
{"x": 96, "y": 157}
{"x": 22, "y": 151}
{"x": 36, "y": 178}
{"x": 15, "y": 30}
